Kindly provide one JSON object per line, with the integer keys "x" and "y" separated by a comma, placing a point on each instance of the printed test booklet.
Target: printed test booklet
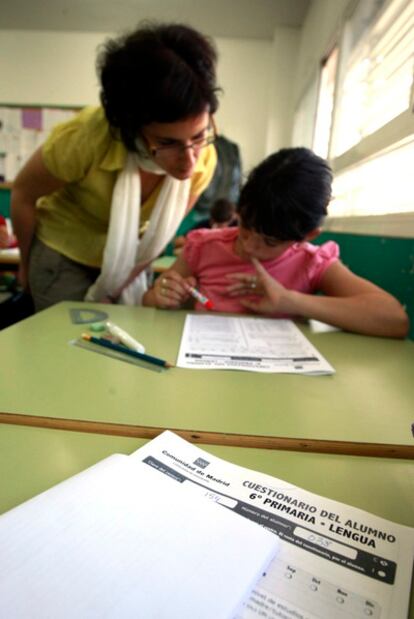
{"x": 335, "y": 561}
{"x": 121, "y": 541}
{"x": 255, "y": 344}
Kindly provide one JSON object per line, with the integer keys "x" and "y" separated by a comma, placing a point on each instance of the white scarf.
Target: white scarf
{"x": 125, "y": 255}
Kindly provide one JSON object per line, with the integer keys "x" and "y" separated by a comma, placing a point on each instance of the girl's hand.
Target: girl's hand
{"x": 273, "y": 295}
{"x": 244, "y": 284}
{"x": 170, "y": 290}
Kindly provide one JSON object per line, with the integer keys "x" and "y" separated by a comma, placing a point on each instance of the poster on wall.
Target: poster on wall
{"x": 22, "y": 131}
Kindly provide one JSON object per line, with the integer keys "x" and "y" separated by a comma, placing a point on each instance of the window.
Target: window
{"x": 377, "y": 185}
{"x": 325, "y": 104}
{"x": 365, "y": 120}
{"x": 303, "y": 126}
{"x": 377, "y": 76}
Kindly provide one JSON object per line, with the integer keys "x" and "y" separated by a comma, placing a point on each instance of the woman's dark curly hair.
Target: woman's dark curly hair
{"x": 158, "y": 73}
{"x": 287, "y": 195}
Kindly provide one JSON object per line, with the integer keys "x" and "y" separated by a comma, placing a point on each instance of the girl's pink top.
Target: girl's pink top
{"x": 210, "y": 257}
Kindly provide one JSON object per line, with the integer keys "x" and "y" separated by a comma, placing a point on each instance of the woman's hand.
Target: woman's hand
{"x": 169, "y": 291}
{"x": 272, "y": 295}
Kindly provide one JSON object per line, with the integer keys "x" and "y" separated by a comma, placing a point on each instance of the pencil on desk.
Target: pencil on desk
{"x": 127, "y": 351}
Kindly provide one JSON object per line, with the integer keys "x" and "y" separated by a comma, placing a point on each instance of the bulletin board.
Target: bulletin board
{"x": 23, "y": 128}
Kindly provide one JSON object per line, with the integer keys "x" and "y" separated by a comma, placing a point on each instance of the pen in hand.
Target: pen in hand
{"x": 196, "y": 294}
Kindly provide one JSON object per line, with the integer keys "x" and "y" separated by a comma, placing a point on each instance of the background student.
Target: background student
{"x": 6, "y": 239}
{"x": 268, "y": 265}
{"x": 222, "y": 215}
{"x": 74, "y": 204}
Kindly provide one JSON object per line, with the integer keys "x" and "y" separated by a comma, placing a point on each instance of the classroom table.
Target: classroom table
{"x": 47, "y": 381}
{"x": 163, "y": 263}
{"x": 34, "y": 459}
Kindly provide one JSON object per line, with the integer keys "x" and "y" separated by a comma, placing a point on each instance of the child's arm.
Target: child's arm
{"x": 169, "y": 290}
{"x": 349, "y": 302}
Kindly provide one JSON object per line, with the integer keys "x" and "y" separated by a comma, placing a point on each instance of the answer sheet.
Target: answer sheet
{"x": 254, "y": 344}
{"x": 335, "y": 561}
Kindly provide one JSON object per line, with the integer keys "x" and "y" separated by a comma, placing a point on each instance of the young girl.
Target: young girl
{"x": 268, "y": 264}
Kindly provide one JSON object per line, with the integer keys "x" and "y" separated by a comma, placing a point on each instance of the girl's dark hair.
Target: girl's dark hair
{"x": 158, "y": 73}
{"x": 287, "y": 195}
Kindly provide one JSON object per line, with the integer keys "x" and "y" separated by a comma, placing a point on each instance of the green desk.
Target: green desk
{"x": 163, "y": 263}
{"x": 369, "y": 399}
{"x": 34, "y": 459}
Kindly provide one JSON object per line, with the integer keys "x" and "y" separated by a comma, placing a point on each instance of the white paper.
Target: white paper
{"x": 11, "y": 166}
{"x": 121, "y": 541}
{"x": 329, "y": 565}
{"x": 55, "y": 116}
{"x": 40, "y": 138}
{"x": 28, "y": 138}
{"x": 11, "y": 119}
{"x": 213, "y": 342}
{"x": 316, "y": 326}
{"x": 11, "y": 253}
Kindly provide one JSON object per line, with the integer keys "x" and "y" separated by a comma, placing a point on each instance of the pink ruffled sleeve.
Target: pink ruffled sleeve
{"x": 193, "y": 249}
{"x": 324, "y": 256}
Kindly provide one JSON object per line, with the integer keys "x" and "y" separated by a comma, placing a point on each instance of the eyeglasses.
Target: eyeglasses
{"x": 172, "y": 151}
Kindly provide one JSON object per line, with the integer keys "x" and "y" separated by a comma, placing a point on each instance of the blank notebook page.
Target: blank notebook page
{"x": 120, "y": 540}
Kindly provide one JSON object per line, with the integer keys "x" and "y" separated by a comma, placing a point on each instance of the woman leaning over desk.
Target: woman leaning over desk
{"x": 106, "y": 192}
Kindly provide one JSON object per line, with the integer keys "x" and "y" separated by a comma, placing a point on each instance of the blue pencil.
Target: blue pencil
{"x": 127, "y": 351}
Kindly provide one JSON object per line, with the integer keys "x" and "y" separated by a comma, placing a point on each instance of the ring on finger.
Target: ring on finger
{"x": 253, "y": 283}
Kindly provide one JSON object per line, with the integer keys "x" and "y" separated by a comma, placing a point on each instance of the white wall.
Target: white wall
{"x": 59, "y": 68}
{"x": 262, "y": 80}
{"x": 284, "y": 57}
{"x": 243, "y": 73}
{"x": 48, "y": 67}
